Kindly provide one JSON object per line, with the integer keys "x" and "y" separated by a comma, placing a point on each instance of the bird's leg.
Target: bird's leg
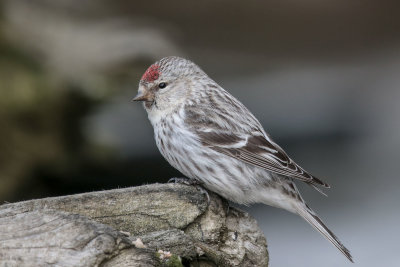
{"x": 227, "y": 205}
{"x": 190, "y": 181}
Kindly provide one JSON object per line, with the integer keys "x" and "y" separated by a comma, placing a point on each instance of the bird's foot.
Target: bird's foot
{"x": 194, "y": 182}
{"x": 184, "y": 180}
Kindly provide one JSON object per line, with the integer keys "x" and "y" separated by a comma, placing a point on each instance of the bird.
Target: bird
{"x": 213, "y": 139}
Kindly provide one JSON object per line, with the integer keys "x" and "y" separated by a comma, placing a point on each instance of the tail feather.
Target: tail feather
{"x": 306, "y": 213}
{"x": 319, "y": 190}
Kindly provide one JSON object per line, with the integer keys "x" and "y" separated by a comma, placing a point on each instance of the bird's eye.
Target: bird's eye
{"x": 162, "y": 85}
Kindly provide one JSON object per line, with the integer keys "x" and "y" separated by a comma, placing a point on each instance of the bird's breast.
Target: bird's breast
{"x": 175, "y": 141}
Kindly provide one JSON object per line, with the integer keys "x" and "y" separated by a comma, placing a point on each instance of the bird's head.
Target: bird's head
{"x": 168, "y": 83}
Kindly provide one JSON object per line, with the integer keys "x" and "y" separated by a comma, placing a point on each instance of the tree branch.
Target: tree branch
{"x": 107, "y": 228}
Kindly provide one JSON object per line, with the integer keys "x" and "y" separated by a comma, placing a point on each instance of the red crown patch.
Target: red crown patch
{"x": 151, "y": 74}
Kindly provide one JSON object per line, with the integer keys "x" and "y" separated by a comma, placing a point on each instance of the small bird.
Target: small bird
{"x": 212, "y": 138}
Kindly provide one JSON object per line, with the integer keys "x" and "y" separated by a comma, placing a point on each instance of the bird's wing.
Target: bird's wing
{"x": 243, "y": 138}
{"x": 258, "y": 151}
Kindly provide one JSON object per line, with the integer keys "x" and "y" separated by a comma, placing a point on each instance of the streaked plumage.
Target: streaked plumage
{"x": 208, "y": 135}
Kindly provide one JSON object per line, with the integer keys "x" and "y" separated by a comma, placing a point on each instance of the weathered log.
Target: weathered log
{"x": 151, "y": 225}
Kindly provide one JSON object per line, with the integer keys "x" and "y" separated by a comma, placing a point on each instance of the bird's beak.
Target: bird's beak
{"x": 143, "y": 95}
{"x": 140, "y": 97}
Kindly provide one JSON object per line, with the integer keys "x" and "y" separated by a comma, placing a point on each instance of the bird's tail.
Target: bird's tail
{"x": 309, "y": 215}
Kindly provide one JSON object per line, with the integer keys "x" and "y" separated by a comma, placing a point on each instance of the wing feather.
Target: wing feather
{"x": 242, "y": 138}
{"x": 276, "y": 161}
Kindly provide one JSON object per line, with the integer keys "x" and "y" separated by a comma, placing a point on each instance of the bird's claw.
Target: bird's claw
{"x": 205, "y": 192}
{"x": 184, "y": 180}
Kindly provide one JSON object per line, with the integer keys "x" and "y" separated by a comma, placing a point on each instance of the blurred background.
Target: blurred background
{"x": 323, "y": 78}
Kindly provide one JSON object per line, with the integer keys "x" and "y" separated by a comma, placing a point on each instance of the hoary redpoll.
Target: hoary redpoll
{"x": 208, "y": 135}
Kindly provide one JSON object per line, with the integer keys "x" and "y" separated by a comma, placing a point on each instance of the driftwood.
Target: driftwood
{"x": 151, "y": 225}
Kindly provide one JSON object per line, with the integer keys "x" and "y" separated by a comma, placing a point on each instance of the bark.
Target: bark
{"x": 151, "y": 225}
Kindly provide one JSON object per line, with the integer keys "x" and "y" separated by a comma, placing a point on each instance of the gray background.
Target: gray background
{"x": 321, "y": 76}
